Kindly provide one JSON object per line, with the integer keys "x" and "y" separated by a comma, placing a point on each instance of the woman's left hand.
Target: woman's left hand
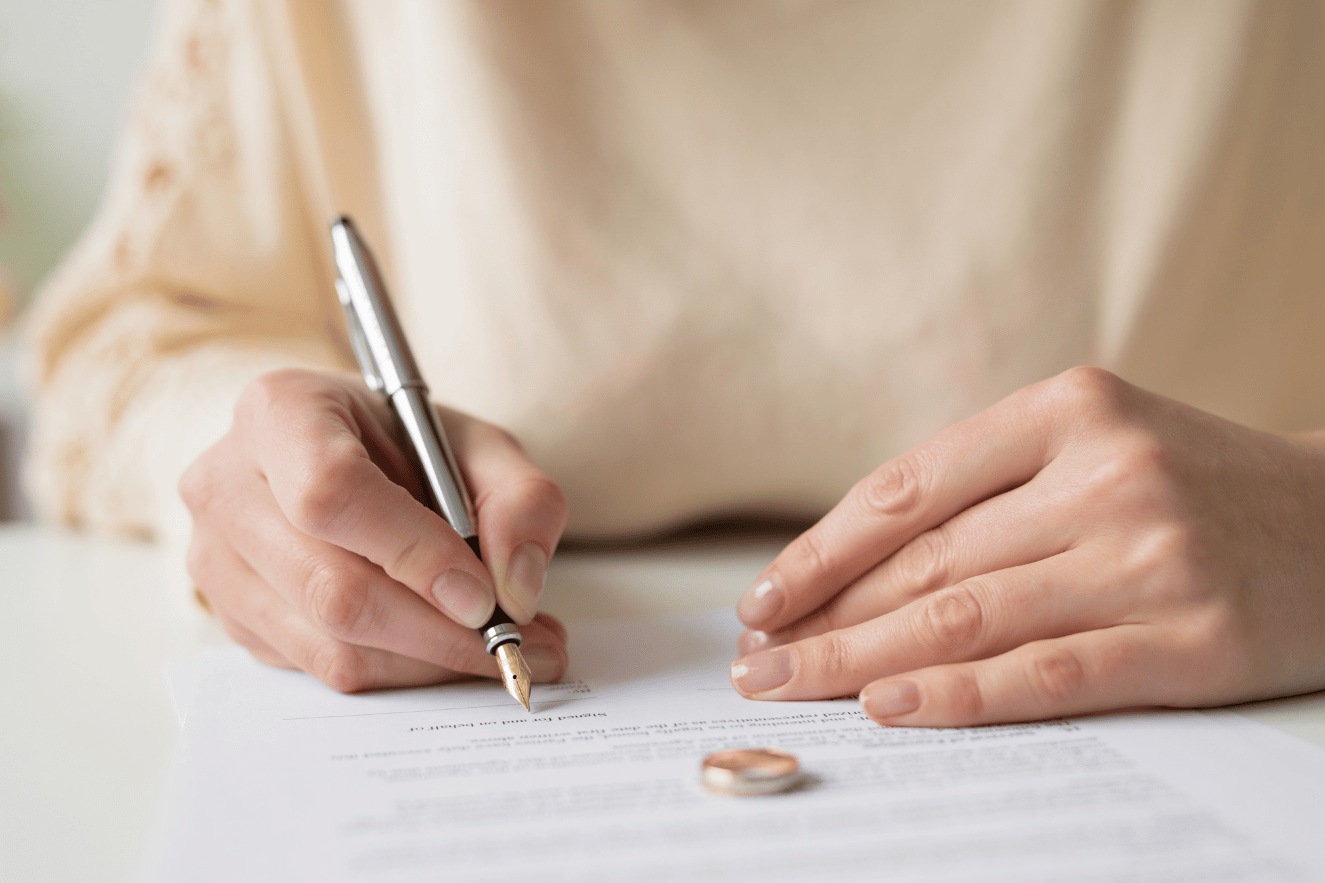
{"x": 1083, "y": 545}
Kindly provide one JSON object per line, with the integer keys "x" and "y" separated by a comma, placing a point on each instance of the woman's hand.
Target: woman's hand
{"x": 1082, "y": 545}
{"x": 310, "y": 545}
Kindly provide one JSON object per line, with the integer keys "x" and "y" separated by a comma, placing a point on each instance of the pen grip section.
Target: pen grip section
{"x": 499, "y": 629}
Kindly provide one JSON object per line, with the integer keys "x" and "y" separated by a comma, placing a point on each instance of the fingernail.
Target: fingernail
{"x": 891, "y": 699}
{"x": 544, "y": 663}
{"x": 525, "y": 577}
{"x": 760, "y": 604}
{"x": 750, "y": 641}
{"x": 463, "y": 598}
{"x": 763, "y": 671}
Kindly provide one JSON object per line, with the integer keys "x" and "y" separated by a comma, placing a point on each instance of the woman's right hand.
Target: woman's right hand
{"x": 311, "y": 546}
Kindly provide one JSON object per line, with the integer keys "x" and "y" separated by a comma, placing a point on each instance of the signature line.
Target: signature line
{"x": 317, "y": 717}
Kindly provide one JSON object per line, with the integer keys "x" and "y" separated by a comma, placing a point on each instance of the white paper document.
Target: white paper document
{"x": 279, "y": 778}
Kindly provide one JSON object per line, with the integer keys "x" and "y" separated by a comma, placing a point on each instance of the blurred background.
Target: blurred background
{"x": 67, "y": 73}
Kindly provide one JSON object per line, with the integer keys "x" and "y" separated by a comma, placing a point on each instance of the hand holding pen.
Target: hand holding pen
{"x": 311, "y": 546}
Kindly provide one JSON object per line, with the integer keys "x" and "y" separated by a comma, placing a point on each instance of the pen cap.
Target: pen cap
{"x": 362, "y": 354}
{"x": 365, "y": 292}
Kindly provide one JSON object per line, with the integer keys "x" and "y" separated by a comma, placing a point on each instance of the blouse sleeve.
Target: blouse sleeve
{"x": 201, "y": 271}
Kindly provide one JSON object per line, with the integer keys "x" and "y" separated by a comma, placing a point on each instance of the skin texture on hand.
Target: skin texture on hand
{"x": 313, "y": 550}
{"x": 1081, "y": 546}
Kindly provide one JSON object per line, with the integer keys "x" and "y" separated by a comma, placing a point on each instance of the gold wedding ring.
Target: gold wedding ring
{"x": 745, "y": 772}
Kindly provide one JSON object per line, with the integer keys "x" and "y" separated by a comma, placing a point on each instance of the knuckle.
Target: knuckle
{"x": 542, "y": 494}
{"x": 813, "y": 552}
{"x": 211, "y": 573}
{"x": 923, "y": 565}
{"x": 264, "y": 393}
{"x": 276, "y": 399}
{"x": 337, "y": 601}
{"x": 894, "y": 490}
{"x": 1055, "y": 675}
{"x": 1113, "y": 478}
{"x": 341, "y": 667}
{"x": 1142, "y": 452}
{"x": 413, "y": 558}
{"x": 531, "y": 493}
{"x": 953, "y": 621}
{"x": 203, "y": 482}
{"x": 821, "y": 622}
{"x": 1089, "y": 391}
{"x": 326, "y": 489}
{"x": 1134, "y": 474}
{"x": 831, "y": 660}
{"x": 963, "y": 696}
{"x": 463, "y": 657}
{"x": 507, "y": 437}
{"x": 1135, "y": 462}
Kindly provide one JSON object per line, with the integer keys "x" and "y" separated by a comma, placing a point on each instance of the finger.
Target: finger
{"x": 989, "y": 453}
{"x": 249, "y": 640}
{"x": 244, "y": 597}
{"x": 1027, "y": 524}
{"x": 346, "y": 597}
{"x": 554, "y": 625}
{"x": 977, "y": 618}
{"x": 340, "y": 594}
{"x": 258, "y": 610}
{"x": 210, "y": 569}
{"x": 521, "y": 512}
{"x": 1099, "y": 670}
{"x": 544, "y": 648}
{"x": 326, "y": 485}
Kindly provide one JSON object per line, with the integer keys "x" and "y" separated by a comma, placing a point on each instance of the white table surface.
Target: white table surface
{"x": 86, "y": 731}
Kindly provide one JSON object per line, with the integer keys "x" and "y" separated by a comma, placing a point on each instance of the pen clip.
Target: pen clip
{"x": 358, "y": 340}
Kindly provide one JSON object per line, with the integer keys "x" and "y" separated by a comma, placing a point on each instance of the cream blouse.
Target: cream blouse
{"x": 699, "y": 257}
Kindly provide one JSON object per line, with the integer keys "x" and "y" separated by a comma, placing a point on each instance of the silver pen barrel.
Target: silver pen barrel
{"x": 435, "y": 456}
{"x": 377, "y": 336}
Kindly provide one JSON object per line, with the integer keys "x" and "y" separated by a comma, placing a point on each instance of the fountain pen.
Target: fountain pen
{"x": 388, "y": 367}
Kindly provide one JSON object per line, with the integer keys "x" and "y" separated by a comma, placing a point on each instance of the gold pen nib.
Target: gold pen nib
{"x": 514, "y": 672}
